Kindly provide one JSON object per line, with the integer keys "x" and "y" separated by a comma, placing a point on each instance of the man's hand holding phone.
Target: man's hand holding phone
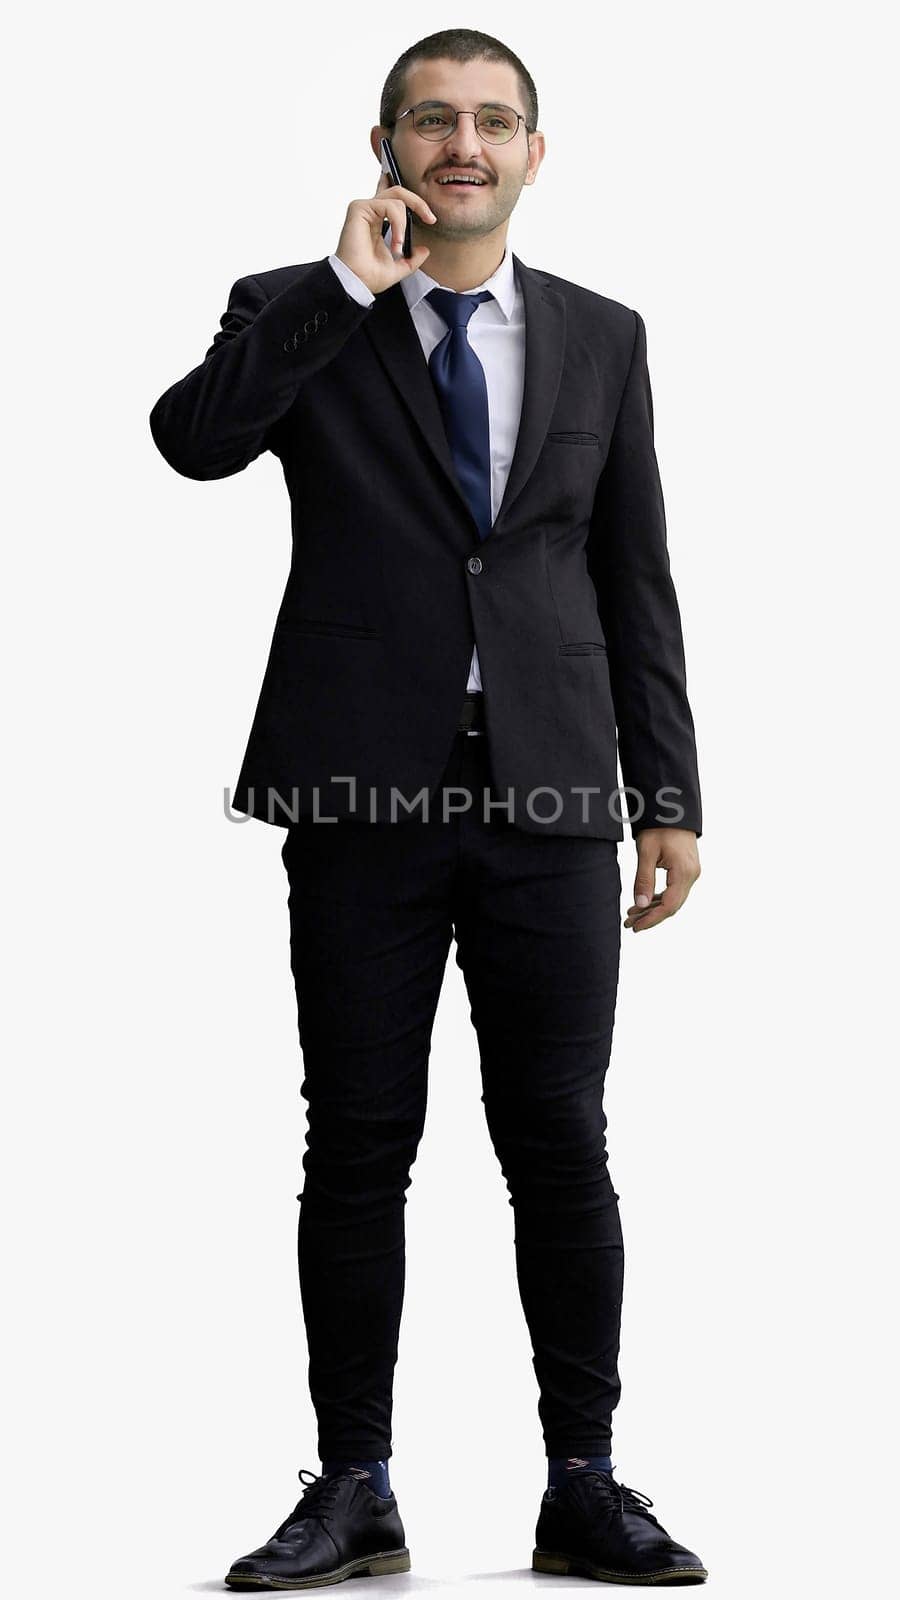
{"x": 361, "y": 246}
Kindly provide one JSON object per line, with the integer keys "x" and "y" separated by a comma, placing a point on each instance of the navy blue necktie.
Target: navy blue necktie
{"x": 462, "y": 392}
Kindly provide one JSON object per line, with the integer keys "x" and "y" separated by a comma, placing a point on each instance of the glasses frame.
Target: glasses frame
{"x": 457, "y": 114}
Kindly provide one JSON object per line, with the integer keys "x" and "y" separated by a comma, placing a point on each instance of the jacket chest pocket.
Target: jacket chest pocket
{"x": 589, "y": 439}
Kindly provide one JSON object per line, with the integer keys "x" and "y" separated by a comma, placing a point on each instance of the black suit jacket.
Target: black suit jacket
{"x": 569, "y": 599}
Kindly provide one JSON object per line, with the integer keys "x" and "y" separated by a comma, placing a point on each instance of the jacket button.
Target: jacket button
{"x": 474, "y": 565}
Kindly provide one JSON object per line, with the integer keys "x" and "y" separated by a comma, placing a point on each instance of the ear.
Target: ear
{"x": 537, "y": 147}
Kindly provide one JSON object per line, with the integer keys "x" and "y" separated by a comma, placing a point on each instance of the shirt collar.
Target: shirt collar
{"x": 501, "y": 283}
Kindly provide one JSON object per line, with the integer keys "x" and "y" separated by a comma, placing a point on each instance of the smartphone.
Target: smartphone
{"x": 389, "y": 165}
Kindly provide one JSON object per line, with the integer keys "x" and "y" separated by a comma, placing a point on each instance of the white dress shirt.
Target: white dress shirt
{"x": 496, "y": 333}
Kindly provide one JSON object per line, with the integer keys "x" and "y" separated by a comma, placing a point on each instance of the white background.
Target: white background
{"x": 727, "y": 171}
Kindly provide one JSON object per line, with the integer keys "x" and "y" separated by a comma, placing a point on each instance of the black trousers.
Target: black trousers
{"x": 374, "y": 907}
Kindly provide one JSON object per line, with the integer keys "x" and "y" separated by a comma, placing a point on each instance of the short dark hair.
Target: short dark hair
{"x": 455, "y": 44}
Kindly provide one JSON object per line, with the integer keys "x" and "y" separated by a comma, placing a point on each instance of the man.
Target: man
{"x": 479, "y": 600}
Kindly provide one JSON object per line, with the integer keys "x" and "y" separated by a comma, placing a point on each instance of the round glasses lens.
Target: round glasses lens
{"x": 434, "y": 119}
{"x": 497, "y": 123}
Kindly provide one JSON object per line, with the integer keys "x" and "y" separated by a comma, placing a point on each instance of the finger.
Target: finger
{"x": 415, "y": 203}
{"x": 396, "y": 211}
{"x": 398, "y": 232}
{"x": 413, "y": 261}
{"x": 649, "y": 919}
{"x": 635, "y": 913}
{"x": 407, "y": 197}
{"x": 635, "y": 910}
{"x": 666, "y": 905}
{"x": 645, "y": 879}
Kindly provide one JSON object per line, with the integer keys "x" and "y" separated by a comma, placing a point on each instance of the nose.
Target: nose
{"x": 463, "y": 146}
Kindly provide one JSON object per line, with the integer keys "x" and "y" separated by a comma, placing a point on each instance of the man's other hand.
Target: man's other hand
{"x": 675, "y": 850}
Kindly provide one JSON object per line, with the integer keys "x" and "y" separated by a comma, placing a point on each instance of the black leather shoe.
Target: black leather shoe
{"x": 339, "y": 1528}
{"x": 593, "y": 1527}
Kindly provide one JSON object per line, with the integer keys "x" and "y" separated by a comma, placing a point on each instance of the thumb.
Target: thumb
{"x": 645, "y": 881}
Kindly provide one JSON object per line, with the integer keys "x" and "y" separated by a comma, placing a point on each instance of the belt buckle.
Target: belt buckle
{"x": 472, "y": 714}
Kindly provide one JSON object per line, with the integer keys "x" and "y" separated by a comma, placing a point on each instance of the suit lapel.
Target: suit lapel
{"x": 545, "y": 348}
{"x": 393, "y": 334}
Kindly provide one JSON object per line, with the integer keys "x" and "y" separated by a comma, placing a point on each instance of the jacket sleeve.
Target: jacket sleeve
{"x": 629, "y": 563}
{"x": 223, "y": 414}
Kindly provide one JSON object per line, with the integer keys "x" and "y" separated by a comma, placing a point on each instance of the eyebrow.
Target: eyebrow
{"x": 433, "y": 101}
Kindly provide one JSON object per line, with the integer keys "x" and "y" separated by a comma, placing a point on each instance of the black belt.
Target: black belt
{"x": 472, "y": 714}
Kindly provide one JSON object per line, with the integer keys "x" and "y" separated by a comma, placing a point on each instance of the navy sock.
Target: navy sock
{"x": 373, "y": 1473}
{"x": 561, "y": 1468}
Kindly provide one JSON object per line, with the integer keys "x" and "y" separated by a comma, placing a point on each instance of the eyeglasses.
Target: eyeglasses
{"x": 434, "y": 119}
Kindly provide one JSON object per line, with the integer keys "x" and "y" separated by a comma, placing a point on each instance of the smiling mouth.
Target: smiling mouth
{"x": 460, "y": 183}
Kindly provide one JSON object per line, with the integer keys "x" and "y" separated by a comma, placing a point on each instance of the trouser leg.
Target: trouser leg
{"x": 537, "y": 922}
{"x": 370, "y": 931}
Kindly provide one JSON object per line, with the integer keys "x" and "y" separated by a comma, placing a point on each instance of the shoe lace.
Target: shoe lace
{"x": 316, "y": 1500}
{"x": 620, "y": 1496}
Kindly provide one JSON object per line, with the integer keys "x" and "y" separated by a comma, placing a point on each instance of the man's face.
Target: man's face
{"x": 465, "y": 210}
